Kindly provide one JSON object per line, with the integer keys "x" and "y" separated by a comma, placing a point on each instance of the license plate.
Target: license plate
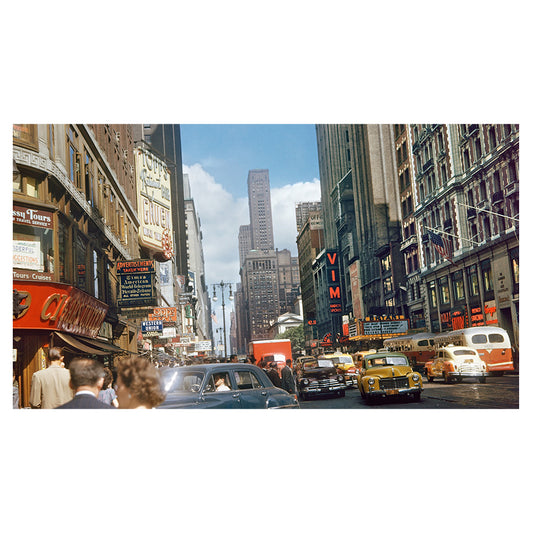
{"x": 392, "y": 391}
{"x": 469, "y": 360}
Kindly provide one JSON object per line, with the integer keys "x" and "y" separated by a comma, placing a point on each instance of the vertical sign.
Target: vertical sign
{"x": 334, "y": 286}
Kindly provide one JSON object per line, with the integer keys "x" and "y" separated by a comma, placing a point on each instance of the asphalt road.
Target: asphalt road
{"x": 496, "y": 393}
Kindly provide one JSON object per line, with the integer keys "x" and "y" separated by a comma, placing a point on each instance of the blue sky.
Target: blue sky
{"x": 230, "y": 151}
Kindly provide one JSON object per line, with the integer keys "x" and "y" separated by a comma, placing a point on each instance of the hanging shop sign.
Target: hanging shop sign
{"x": 136, "y": 280}
{"x": 56, "y": 306}
{"x": 334, "y": 287}
{"x": 167, "y": 314}
{"x": 154, "y": 203}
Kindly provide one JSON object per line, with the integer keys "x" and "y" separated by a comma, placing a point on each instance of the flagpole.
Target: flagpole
{"x": 450, "y": 234}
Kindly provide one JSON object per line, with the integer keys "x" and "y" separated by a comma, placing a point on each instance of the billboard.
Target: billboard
{"x": 154, "y": 203}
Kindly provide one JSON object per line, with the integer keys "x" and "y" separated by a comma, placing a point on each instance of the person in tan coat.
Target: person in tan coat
{"x": 50, "y": 387}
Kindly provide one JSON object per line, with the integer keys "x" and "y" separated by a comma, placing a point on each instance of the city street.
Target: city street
{"x": 496, "y": 393}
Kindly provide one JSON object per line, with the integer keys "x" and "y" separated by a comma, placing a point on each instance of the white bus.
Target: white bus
{"x": 418, "y": 347}
{"x": 492, "y": 343}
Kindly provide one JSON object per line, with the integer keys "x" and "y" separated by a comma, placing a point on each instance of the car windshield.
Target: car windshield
{"x": 396, "y": 360}
{"x": 182, "y": 380}
{"x": 325, "y": 363}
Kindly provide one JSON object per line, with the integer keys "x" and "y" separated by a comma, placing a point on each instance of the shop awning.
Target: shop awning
{"x": 80, "y": 346}
{"x": 101, "y": 345}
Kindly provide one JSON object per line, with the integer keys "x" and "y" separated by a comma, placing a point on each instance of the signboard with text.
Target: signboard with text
{"x": 136, "y": 283}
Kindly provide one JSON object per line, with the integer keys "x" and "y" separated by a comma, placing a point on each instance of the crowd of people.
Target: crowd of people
{"x": 88, "y": 384}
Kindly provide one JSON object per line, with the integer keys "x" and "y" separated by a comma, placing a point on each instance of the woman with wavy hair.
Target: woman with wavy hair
{"x": 138, "y": 384}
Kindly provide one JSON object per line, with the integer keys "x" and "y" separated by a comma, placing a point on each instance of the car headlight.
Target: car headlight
{"x": 305, "y": 382}
{"x": 340, "y": 377}
{"x": 371, "y": 381}
{"x": 415, "y": 377}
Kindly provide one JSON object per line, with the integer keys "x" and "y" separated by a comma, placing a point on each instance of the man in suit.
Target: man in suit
{"x": 86, "y": 380}
{"x": 50, "y": 387}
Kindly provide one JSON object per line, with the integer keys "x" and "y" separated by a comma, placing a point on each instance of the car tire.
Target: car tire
{"x": 446, "y": 378}
{"x": 458, "y": 379}
{"x": 341, "y": 394}
{"x": 417, "y": 396}
{"x": 482, "y": 379}
{"x": 430, "y": 378}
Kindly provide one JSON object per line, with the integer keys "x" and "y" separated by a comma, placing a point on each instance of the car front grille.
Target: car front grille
{"x": 394, "y": 383}
{"x": 327, "y": 382}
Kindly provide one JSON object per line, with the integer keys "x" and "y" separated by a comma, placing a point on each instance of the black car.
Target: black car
{"x": 222, "y": 386}
{"x": 319, "y": 376}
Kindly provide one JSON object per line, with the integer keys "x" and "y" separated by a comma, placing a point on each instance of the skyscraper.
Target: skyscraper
{"x": 269, "y": 278}
{"x": 260, "y": 210}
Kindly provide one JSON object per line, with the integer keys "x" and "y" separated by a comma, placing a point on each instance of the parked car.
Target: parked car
{"x": 319, "y": 376}
{"x": 344, "y": 364}
{"x": 222, "y": 386}
{"x": 456, "y": 362}
{"x": 386, "y": 375}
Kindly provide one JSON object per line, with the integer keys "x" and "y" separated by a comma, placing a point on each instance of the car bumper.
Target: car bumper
{"x": 392, "y": 393}
{"x": 322, "y": 390}
{"x": 471, "y": 374}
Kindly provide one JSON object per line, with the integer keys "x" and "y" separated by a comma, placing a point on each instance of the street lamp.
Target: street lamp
{"x": 222, "y": 286}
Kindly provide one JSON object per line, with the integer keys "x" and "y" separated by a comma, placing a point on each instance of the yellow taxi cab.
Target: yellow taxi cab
{"x": 344, "y": 364}
{"x": 388, "y": 375}
{"x": 455, "y": 363}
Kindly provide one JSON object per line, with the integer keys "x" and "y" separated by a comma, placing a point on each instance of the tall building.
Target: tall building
{"x": 360, "y": 204}
{"x": 200, "y": 301}
{"x": 310, "y": 242}
{"x": 303, "y": 210}
{"x": 262, "y": 233}
{"x": 74, "y": 218}
{"x": 269, "y": 277}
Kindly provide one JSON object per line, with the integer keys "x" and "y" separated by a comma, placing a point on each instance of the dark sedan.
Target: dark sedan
{"x": 222, "y": 386}
{"x": 319, "y": 376}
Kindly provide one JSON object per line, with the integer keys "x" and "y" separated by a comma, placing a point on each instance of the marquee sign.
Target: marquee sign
{"x": 334, "y": 287}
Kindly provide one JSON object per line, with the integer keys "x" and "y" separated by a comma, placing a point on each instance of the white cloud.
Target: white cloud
{"x": 220, "y": 215}
{"x": 284, "y": 202}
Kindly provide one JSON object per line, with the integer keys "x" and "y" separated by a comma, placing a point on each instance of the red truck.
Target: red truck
{"x": 270, "y": 350}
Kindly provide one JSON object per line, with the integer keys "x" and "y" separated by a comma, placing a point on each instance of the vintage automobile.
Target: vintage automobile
{"x": 388, "y": 375}
{"x": 344, "y": 364}
{"x": 319, "y": 376}
{"x": 222, "y": 386}
{"x": 455, "y": 363}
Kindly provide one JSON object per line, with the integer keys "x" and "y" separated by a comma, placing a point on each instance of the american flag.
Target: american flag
{"x": 444, "y": 248}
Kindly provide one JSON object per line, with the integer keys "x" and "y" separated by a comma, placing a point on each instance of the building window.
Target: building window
{"x": 477, "y": 146}
{"x": 32, "y": 246}
{"x": 492, "y": 138}
{"x": 385, "y": 264}
{"x": 51, "y": 141}
{"x": 432, "y": 293}
{"x": 482, "y": 191}
{"x": 32, "y": 186}
{"x": 513, "y": 254}
{"x": 444, "y": 290}
{"x": 458, "y": 286}
{"x": 486, "y": 276}
{"x": 62, "y": 256}
{"x": 466, "y": 160}
{"x": 473, "y": 281}
{"x": 81, "y": 262}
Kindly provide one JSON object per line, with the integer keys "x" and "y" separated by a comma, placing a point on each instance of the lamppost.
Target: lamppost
{"x": 222, "y": 286}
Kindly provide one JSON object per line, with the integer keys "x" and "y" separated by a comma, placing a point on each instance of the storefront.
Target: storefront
{"x": 47, "y": 314}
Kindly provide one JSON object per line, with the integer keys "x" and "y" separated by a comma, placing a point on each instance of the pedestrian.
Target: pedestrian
{"x": 287, "y": 378}
{"x": 274, "y": 374}
{"x": 86, "y": 380}
{"x": 108, "y": 394}
{"x": 233, "y": 359}
{"x": 50, "y": 386}
{"x": 16, "y": 397}
{"x": 138, "y": 384}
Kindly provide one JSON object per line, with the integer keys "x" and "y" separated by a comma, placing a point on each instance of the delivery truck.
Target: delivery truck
{"x": 270, "y": 350}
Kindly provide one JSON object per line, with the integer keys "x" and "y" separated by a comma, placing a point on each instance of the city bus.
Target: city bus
{"x": 492, "y": 343}
{"x": 418, "y": 347}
